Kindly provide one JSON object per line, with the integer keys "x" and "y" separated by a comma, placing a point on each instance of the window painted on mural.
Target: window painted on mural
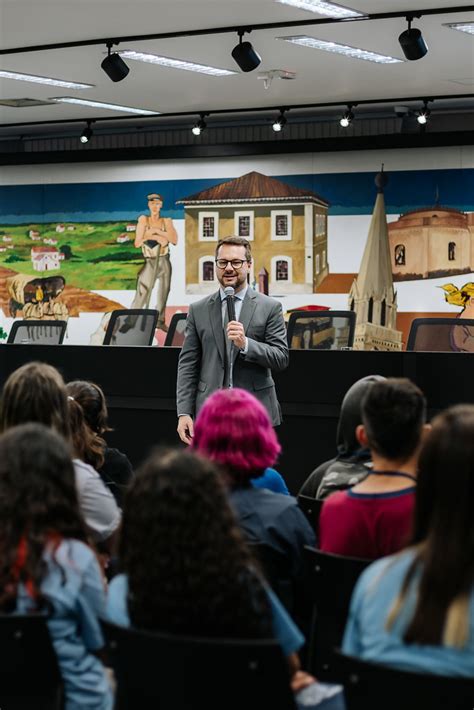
{"x": 281, "y": 224}
{"x": 452, "y": 251}
{"x": 370, "y": 313}
{"x": 318, "y": 264}
{"x": 324, "y": 258}
{"x": 400, "y": 255}
{"x": 244, "y": 226}
{"x": 383, "y": 312}
{"x": 208, "y": 271}
{"x": 208, "y": 226}
{"x": 282, "y": 270}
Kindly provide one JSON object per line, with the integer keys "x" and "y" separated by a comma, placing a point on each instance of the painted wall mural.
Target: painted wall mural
{"x": 79, "y": 250}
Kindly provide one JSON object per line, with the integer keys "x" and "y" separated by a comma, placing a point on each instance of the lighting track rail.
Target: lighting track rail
{"x": 234, "y": 111}
{"x": 240, "y": 28}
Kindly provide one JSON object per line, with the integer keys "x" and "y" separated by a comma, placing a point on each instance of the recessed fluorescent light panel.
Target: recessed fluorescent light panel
{"x": 321, "y": 7}
{"x": 174, "y": 63}
{"x": 467, "y": 27}
{"x": 100, "y": 104}
{"x": 353, "y": 52}
{"x": 43, "y": 80}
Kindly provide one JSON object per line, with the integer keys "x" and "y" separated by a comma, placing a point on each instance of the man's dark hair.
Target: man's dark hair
{"x": 236, "y": 242}
{"x": 393, "y": 413}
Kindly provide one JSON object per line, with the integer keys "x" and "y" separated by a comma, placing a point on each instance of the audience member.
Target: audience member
{"x": 415, "y": 610}
{"x": 111, "y": 464}
{"x": 36, "y": 393}
{"x": 374, "y": 518}
{"x": 352, "y": 462}
{"x": 47, "y": 566}
{"x": 234, "y": 430}
{"x": 187, "y": 569}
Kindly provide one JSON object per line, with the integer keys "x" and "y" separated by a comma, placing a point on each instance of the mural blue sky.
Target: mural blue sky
{"x": 348, "y": 193}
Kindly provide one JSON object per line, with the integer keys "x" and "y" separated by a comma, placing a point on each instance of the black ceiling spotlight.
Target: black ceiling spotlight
{"x": 245, "y": 55}
{"x": 424, "y": 115}
{"x": 87, "y": 133}
{"x": 113, "y": 65}
{"x": 411, "y": 41}
{"x": 347, "y": 117}
{"x": 200, "y": 126}
{"x": 280, "y": 122}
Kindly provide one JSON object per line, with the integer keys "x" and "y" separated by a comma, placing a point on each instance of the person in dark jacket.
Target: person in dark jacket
{"x": 111, "y": 464}
{"x": 352, "y": 462}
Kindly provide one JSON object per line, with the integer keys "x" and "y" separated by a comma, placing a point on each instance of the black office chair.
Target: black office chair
{"x": 371, "y": 686}
{"x": 441, "y": 335}
{"x": 134, "y": 326}
{"x": 311, "y": 507}
{"x": 37, "y": 332}
{"x": 331, "y": 579}
{"x": 157, "y": 671}
{"x": 176, "y": 330}
{"x": 321, "y": 330}
{"x": 29, "y": 671}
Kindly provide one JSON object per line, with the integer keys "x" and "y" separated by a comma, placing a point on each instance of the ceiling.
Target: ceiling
{"x": 448, "y": 68}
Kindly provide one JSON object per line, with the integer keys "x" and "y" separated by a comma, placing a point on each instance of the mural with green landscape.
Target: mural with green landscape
{"x": 92, "y": 256}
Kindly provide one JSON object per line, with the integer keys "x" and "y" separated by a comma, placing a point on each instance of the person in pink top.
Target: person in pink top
{"x": 374, "y": 518}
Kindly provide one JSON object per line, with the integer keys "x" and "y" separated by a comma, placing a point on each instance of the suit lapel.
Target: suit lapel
{"x": 215, "y": 317}
{"x": 246, "y": 313}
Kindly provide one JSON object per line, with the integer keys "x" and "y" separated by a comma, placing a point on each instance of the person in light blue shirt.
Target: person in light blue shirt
{"x": 47, "y": 565}
{"x": 187, "y": 569}
{"x": 415, "y": 610}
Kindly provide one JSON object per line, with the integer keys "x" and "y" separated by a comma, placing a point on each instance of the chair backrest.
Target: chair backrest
{"x": 176, "y": 330}
{"x": 441, "y": 335}
{"x": 311, "y": 507}
{"x": 371, "y": 686}
{"x": 321, "y": 330}
{"x": 134, "y": 326}
{"x": 276, "y": 570}
{"x": 156, "y": 671}
{"x": 29, "y": 671}
{"x": 332, "y": 579}
{"x": 37, "y": 332}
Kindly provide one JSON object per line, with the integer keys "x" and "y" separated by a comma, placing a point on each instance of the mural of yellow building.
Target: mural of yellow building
{"x": 432, "y": 242}
{"x": 286, "y": 225}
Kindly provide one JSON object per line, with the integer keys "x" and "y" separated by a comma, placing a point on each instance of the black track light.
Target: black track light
{"x": 245, "y": 55}
{"x": 412, "y": 43}
{"x": 346, "y": 118}
{"x": 280, "y": 122}
{"x": 424, "y": 115}
{"x": 200, "y": 126}
{"x": 87, "y": 133}
{"x": 114, "y": 66}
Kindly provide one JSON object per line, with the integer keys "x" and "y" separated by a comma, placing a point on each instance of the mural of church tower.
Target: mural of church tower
{"x": 372, "y": 295}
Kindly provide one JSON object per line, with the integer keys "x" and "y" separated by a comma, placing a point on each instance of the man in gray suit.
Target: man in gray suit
{"x": 240, "y": 353}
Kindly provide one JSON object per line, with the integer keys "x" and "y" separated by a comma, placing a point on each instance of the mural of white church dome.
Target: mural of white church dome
{"x": 431, "y": 242}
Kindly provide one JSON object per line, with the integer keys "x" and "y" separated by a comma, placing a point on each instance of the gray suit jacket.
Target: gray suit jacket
{"x": 202, "y": 364}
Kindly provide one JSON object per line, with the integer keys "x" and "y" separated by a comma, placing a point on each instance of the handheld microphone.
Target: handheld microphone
{"x": 229, "y": 297}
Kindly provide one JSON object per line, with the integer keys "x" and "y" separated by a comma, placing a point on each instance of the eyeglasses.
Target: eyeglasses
{"x": 235, "y": 263}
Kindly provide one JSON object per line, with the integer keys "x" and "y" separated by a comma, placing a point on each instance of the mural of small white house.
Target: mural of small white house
{"x": 46, "y": 258}
{"x": 34, "y": 235}
{"x": 286, "y": 225}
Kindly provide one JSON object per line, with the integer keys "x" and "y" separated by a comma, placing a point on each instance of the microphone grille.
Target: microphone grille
{"x": 229, "y": 291}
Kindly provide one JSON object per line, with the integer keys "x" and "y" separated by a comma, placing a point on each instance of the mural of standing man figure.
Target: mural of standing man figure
{"x": 154, "y": 234}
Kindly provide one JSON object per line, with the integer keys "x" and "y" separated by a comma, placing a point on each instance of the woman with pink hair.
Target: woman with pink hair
{"x": 233, "y": 429}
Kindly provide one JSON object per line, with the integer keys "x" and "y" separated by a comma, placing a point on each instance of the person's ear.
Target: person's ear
{"x": 425, "y": 430}
{"x": 361, "y": 436}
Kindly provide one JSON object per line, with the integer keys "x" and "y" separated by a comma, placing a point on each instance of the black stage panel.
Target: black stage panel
{"x": 140, "y": 386}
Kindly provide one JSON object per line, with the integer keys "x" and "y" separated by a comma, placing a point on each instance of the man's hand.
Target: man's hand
{"x": 186, "y": 428}
{"x": 236, "y": 333}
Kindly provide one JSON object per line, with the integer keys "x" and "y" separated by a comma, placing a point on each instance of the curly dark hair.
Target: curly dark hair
{"x": 38, "y": 506}
{"x": 188, "y": 567}
{"x": 88, "y": 415}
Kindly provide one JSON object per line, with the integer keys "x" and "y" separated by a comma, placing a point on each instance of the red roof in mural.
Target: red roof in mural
{"x": 252, "y": 187}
